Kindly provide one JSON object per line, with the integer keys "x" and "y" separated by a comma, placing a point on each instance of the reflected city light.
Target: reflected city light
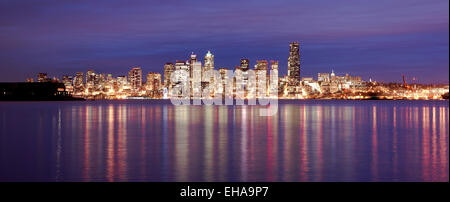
{"x": 305, "y": 141}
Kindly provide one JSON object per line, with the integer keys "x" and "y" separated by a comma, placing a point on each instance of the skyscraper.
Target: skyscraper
{"x": 168, "y": 70}
{"x": 209, "y": 61}
{"x": 208, "y": 80}
{"x": 78, "y": 82}
{"x": 261, "y": 77}
{"x": 192, "y": 60}
{"x": 245, "y": 64}
{"x": 90, "y": 78}
{"x": 223, "y": 81}
{"x": 67, "y": 80}
{"x": 294, "y": 64}
{"x": 153, "y": 84}
{"x": 273, "y": 79}
{"x": 135, "y": 78}
{"x": 196, "y": 79}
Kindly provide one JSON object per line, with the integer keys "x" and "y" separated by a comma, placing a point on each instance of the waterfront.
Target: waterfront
{"x": 152, "y": 140}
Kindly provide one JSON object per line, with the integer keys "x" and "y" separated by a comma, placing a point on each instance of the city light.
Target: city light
{"x": 204, "y": 84}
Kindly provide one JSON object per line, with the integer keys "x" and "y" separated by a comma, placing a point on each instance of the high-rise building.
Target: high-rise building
{"x": 90, "y": 78}
{"x": 192, "y": 60}
{"x": 209, "y": 61}
{"x": 67, "y": 81}
{"x": 261, "y": 76}
{"x": 179, "y": 67}
{"x": 153, "y": 84}
{"x": 245, "y": 64}
{"x": 181, "y": 76}
{"x": 196, "y": 79}
{"x": 294, "y": 64}
{"x": 135, "y": 78}
{"x": 223, "y": 83}
{"x": 208, "y": 80}
{"x": 168, "y": 70}
{"x": 274, "y": 65}
{"x": 273, "y": 87}
{"x": 78, "y": 82}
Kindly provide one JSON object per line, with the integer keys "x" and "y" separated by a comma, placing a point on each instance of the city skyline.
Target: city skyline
{"x": 411, "y": 37}
{"x": 191, "y": 78}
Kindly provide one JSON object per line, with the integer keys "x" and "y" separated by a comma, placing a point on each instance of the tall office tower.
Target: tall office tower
{"x": 261, "y": 65}
{"x": 245, "y": 64}
{"x": 42, "y": 77}
{"x": 209, "y": 61}
{"x": 90, "y": 78}
{"x": 209, "y": 65}
{"x": 78, "y": 82}
{"x": 153, "y": 84}
{"x": 238, "y": 83}
{"x": 294, "y": 64}
{"x": 273, "y": 78}
{"x": 274, "y": 66}
{"x": 135, "y": 78}
{"x": 181, "y": 76}
{"x": 196, "y": 79}
{"x": 261, "y": 76}
{"x": 184, "y": 66}
{"x": 192, "y": 60}
{"x": 67, "y": 81}
{"x": 224, "y": 78}
{"x": 168, "y": 70}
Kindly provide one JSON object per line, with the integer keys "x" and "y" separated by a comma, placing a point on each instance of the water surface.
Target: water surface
{"x": 152, "y": 140}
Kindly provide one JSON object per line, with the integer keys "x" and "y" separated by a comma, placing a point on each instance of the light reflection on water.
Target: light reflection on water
{"x": 156, "y": 141}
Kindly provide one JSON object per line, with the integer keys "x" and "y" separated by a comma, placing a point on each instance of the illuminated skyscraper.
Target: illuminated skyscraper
{"x": 78, "y": 82}
{"x": 192, "y": 60}
{"x": 168, "y": 70}
{"x": 208, "y": 80}
{"x": 90, "y": 78}
{"x": 196, "y": 79}
{"x": 209, "y": 61}
{"x": 135, "y": 78}
{"x": 273, "y": 87}
{"x": 67, "y": 80}
{"x": 153, "y": 84}
{"x": 294, "y": 64}
{"x": 261, "y": 76}
{"x": 245, "y": 64}
{"x": 223, "y": 83}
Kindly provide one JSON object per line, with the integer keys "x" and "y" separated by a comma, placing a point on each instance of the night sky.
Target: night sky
{"x": 375, "y": 39}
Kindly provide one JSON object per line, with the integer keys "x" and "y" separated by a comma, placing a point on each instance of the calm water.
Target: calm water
{"x": 144, "y": 140}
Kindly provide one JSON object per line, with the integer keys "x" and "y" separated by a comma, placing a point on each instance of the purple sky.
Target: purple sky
{"x": 375, "y": 39}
